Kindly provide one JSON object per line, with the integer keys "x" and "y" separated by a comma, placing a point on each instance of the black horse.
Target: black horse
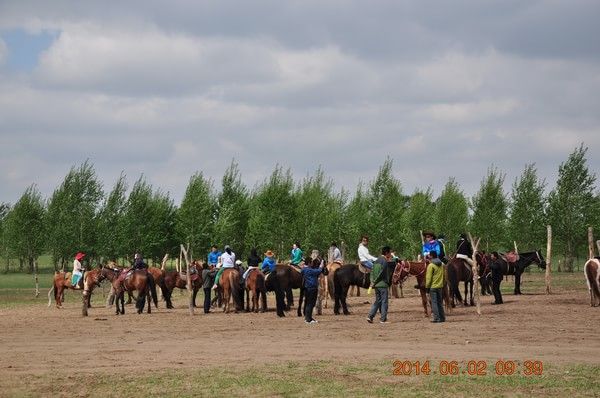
{"x": 344, "y": 277}
{"x": 518, "y": 267}
{"x": 287, "y": 279}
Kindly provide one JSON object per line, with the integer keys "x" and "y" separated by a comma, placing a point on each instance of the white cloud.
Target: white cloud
{"x": 3, "y": 51}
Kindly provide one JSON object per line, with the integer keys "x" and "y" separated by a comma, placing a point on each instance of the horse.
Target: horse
{"x": 326, "y": 286}
{"x": 230, "y": 285}
{"x": 460, "y": 271}
{"x": 418, "y": 269}
{"x": 287, "y": 279}
{"x": 173, "y": 279}
{"x": 255, "y": 283}
{"x": 138, "y": 281}
{"x": 518, "y": 267}
{"x": 344, "y": 277}
{"x": 591, "y": 270}
{"x": 62, "y": 281}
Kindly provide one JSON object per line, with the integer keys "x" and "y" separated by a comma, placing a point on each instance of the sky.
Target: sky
{"x": 166, "y": 89}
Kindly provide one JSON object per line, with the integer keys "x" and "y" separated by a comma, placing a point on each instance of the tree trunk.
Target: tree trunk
{"x": 569, "y": 258}
{"x": 590, "y": 243}
{"x": 21, "y": 264}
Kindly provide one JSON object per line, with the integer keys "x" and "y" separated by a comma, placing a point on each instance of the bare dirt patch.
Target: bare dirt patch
{"x": 558, "y": 329}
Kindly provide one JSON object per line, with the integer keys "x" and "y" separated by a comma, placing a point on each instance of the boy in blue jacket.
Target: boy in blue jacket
{"x": 310, "y": 281}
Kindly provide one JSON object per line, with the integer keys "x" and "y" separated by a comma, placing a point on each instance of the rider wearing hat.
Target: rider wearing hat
{"x": 77, "y": 270}
{"x": 430, "y": 244}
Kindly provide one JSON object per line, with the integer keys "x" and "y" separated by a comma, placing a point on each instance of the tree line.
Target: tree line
{"x": 109, "y": 225}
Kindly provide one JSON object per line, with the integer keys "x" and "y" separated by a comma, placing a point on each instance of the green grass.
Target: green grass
{"x": 323, "y": 378}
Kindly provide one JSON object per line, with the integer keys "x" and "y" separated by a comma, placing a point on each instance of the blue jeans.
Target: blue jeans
{"x": 367, "y": 264}
{"x": 437, "y": 305}
{"x": 381, "y": 303}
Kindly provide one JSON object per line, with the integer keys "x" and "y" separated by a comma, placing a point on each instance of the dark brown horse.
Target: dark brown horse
{"x": 418, "y": 269}
{"x": 173, "y": 279}
{"x": 62, "y": 282}
{"x": 461, "y": 271}
{"x": 255, "y": 283}
{"x": 229, "y": 284}
{"x": 344, "y": 277}
{"x": 288, "y": 279}
{"x": 518, "y": 267}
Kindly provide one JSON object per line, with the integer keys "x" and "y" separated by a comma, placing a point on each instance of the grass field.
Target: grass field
{"x": 322, "y": 378}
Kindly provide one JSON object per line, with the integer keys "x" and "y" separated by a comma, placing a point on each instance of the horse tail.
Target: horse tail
{"x": 153, "y": 290}
{"x": 234, "y": 285}
{"x": 453, "y": 279}
{"x": 49, "y": 294}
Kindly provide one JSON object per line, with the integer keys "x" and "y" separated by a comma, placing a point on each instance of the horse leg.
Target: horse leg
{"x": 300, "y": 309}
{"x": 466, "y": 300}
{"x": 344, "y": 304}
{"x": 289, "y": 297}
{"x": 58, "y": 296}
{"x": 517, "y": 282}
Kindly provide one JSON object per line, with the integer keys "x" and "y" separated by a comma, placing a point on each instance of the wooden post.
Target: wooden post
{"x": 37, "y": 282}
{"x": 548, "y": 258}
{"x": 516, "y": 249}
{"x": 475, "y": 272}
{"x": 591, "y": 242}
{"x": 164, "y": 262}
{"x": 189, "y": 280}
{"x": 598, "y": 246}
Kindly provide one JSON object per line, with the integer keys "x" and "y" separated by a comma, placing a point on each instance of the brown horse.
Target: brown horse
{"x": 138, "y": 281}
{"x": 326, "y": 287}
{"x": 406, "y": 268}
{"x": 173, "y": 279}
{"x": 229, "y": 283}
{"x": 62, "y": 282}
{"x": 591, "y": 269}
{"x": 255, "y": 283}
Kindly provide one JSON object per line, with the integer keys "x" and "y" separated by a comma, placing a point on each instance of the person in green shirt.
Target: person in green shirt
{"x": 296, "y": 254}
{"x": 380, "y": 280}
{"x": 434, "y": 284}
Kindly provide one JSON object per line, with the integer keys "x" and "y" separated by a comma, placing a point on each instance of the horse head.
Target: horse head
{"x": 539, "y": 259}
{"x": 401, "y": 272}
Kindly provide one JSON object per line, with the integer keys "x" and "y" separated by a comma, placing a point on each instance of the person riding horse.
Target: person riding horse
{"x": 269, "y": 268}
{"x": 78, "y": 270}
{"x": 296, "y": 259}
{"x": 464, "y": 250}
{"x": 364, "y": 257}
{"x": 430, "y": 244}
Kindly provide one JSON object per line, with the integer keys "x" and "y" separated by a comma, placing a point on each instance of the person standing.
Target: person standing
{"x": 310, "y": 281}
{"x": 227, "y": 261}
{"x": 380, "y": 281}
{"x": 434, "y": 284}
{"x": 208, "y": 277}
{"x": 77, "y": 270}
{"x": 364, "y": 257}
{"x": 497, "y": 276}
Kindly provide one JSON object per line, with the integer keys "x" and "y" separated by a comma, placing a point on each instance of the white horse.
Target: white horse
{"x": 591, "y": 269}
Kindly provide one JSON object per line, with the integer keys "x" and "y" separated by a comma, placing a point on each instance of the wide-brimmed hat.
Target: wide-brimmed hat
{"x": 238, "y": 262}
{"x": 79, "y": 256}
{"x": 425, "y": 233}
{"x": 269, "y": 253}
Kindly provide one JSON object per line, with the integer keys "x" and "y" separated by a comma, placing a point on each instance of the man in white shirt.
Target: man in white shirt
{"x": 364, "y": 257}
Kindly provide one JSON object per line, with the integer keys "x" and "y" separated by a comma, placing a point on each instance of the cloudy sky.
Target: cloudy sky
{"x": 169, "y": 88}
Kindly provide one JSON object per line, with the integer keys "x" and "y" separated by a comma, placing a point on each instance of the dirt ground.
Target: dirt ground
{"x": 558, "y": 329}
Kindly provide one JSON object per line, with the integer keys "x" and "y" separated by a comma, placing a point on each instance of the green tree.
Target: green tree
{"x": 195, "y": 217}
{"x": 527, "y": 221}
{"x": 571, "y": 205}
{"x": 24, "y": 227}
{"x": 4, "y": 209}
{"x": 386, "y": 207}
{"x": 71, "y": 219}
{"x": 490, "y": 211}
{"x": 232, "y": 211}
{"x": 148, "y": 222}
{"x": 419, "y": 216}
{"x": 356, "y": 216}
{"x": 318, "y": 213}
{"x": 451, "y": 213}
{"x": 111, "y": 222}
{"x": 272, "y": 213}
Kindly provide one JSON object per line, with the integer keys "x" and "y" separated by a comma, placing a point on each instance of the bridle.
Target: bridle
{"x": 405, "y": 266}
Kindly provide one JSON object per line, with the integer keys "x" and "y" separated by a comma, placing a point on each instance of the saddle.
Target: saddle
{"x": 510, "y": 257}
{"x": 363, "y": 269}
{"x": 297, "y": 268}
{"x": 125, "y": 274}
{"x": 194, "y": 276}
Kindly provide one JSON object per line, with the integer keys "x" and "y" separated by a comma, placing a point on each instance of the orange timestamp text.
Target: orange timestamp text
{"x": 468, "y": 368}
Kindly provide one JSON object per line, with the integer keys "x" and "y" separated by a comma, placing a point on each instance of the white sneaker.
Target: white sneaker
{"x": 214, "y": 287}
{"x": 314, "y": 321}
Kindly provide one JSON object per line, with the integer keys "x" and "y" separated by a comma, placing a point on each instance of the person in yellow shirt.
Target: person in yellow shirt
{"x": 434, "y": 284}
